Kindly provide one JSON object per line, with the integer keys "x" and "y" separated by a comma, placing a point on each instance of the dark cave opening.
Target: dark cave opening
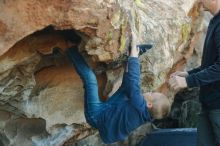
{"x": 69, "y": 34}
{"x": 76, "y": 38}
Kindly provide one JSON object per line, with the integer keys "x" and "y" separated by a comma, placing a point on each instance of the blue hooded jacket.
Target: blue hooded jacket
{"x": 118, "y": 120}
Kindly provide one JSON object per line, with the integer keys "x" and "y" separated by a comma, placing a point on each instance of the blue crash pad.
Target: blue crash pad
{"x": 171, "y": 137}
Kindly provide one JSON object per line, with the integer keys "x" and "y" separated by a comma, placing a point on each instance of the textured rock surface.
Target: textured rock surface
{"x": 93, "y": 19}
{"x": 132, "y": 140}
{"x": 46, "y": 94}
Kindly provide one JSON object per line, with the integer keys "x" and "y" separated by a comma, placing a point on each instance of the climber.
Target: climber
{"x": 207, "y": 77}
{"x": 126, "y": 109}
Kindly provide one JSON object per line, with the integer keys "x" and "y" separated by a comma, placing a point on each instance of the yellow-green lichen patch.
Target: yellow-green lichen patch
{"x": 123, "y": 38}
{"x": 185, "y": 31}
{"x": 138, "y": 2}
{"x": 109, "y": 36}
{"x": 122, "y": 44}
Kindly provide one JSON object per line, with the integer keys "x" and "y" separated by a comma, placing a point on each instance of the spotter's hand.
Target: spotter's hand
{"x": 177, "y": 82}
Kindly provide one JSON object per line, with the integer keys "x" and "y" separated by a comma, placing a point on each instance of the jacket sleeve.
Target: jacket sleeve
{"x": 209, "y": 74}
{"x": 195, "y": 70}
{"x": 134, "y": 89}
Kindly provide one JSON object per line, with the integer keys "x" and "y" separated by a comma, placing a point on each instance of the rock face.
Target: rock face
{"x": 41, "y": 97}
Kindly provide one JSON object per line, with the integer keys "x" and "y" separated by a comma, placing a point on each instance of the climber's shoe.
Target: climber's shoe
{"x": 143, "y": 48}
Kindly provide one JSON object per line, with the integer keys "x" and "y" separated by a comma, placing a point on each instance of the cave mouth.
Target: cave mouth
{"x": 60, "y": 39}
{"x": 68, "y": 34}
{"x": 49, "y": 39}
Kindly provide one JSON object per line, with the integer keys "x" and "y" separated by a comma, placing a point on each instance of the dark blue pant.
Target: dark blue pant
{"x": 92, "y": 103}
{"x": 209, "y": 128}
